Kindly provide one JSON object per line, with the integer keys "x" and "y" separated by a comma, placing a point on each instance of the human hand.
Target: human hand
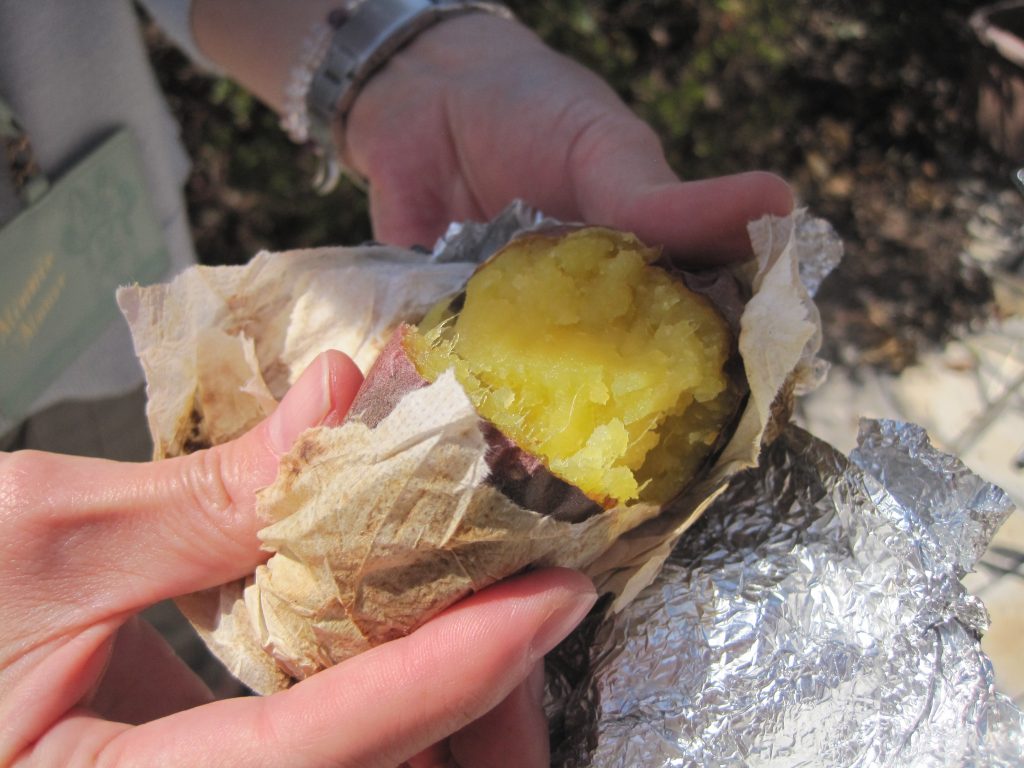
{"x": 87, "y": 544}
{"x": 477, "y": 112}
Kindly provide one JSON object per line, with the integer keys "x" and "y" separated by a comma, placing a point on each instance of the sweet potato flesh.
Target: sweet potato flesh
{"x": 590, "y": 358}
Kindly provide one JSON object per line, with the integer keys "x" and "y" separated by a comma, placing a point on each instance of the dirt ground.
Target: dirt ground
{"x": 867, "y": 110}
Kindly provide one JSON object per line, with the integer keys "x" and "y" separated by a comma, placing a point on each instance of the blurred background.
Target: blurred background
{"x": 869, "y": 108}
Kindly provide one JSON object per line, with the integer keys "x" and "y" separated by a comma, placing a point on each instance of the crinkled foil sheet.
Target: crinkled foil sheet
{"x": 813, "y": 617}
{"x": 477, "y": 241}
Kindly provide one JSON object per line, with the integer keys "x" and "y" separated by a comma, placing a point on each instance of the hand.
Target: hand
{"x": 87, "y": 544}
{"x": 477, "y": 112}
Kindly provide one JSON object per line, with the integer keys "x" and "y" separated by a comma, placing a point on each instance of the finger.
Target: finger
{"x": 514, "y": 733}
{"x": 140, "y": 679}
{"x": 623, "y": 180}
{"x": 704, "y": 223}
{"x": 35, "y": 695}
{"x": 388, "y": 704}
{"x": 133, "y": 534}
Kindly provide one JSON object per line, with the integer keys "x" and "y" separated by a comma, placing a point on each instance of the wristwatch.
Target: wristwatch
{"x": 362, "y": 42}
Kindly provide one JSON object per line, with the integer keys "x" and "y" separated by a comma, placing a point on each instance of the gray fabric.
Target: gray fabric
{"x": 73, "y": 72}
{"x": 8, "y": 198}
{"x": 109, "y": 428}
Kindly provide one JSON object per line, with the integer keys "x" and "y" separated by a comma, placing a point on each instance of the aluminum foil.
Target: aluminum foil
{"x": 478, "y": 241}
{"x": 813, "y": 617}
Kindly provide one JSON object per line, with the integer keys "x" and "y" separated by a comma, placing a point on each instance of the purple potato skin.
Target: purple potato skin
{"x": 519, "y": 475}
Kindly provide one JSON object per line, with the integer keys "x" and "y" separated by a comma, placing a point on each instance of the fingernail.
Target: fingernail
{"x": 561, "y": 622}
{"x": 304, "y": 406}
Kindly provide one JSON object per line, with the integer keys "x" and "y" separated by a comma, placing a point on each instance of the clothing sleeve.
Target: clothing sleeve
{"x": 174, "y": 17}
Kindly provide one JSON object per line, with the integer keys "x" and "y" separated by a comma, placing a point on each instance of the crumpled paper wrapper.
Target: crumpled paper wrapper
{"x": 813, "y": 617}
{"x": 373, "y": 531}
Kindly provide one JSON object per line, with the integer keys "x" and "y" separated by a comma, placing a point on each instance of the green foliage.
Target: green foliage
{"x": 250, "y": 188}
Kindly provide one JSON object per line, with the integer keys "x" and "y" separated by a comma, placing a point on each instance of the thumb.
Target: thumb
{"x": 207, "y": 500}
{"x": 623, "y": 180}
{"x": 138, "y": 533}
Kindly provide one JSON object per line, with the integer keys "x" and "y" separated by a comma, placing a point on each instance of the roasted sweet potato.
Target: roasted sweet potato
{"x": 587, "y": 360}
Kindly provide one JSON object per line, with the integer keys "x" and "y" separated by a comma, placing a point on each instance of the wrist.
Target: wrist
{"x": 257, "y": 42}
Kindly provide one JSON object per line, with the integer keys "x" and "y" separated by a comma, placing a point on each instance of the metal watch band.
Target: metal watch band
{"x": 371, "y": 35}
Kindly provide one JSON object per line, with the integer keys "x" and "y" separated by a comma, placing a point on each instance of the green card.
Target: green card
{"x": 61, "y": 261}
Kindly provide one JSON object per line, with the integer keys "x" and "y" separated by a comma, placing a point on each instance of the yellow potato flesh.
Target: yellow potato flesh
{"x": 586, "y": 356}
